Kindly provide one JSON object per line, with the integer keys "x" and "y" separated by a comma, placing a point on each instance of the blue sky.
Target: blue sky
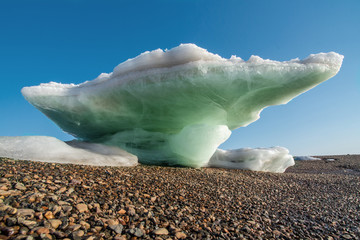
{"x": 71, "y": 41}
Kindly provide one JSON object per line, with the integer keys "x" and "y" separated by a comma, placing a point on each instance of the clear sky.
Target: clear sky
{"x": 71, "y": 41}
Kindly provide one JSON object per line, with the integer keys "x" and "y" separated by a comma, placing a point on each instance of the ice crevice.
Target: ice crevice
{"x": 175, "y": 107}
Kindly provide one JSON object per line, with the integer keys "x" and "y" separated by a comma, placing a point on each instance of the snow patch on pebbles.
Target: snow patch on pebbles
{"x": 50, "y": 149}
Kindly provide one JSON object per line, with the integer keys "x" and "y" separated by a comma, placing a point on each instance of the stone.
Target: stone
{"x": 27, "y": 223}
{"x": 23, "y": 230}
{"x": 78, "y": 233}
{"x": 10, "y": 193}
{"x": 12, "y": 211}
{"x": 49, "y": 215}
{"x": 119, "y": 237}
{"x": 180, "y": 235}
{"x": 36, "y": 197}
{"x": 138, "y": 232}
{"x": 25, "y": 212}
{"x": 112, "y": 222}
{"x": 66, "y": 208}
{"x": 42, "y": 230}
{"x": 122, "y": 211}
{"x": 61, "y": 190}
{"x": 45, "y": 236}
{"x": 74, "y": 227}
{"x": 118, "y": 228}
{"x": 11, "y": 221}
{"x": 63, "y": 203}
{"x": 55, "y": 223}
{"x": 161, "y": 231}
{"x": 56, "y": 209}
{"x": 70, "y": 191}
{"x": 58, "y": 234}
{"x": 20, "y": 186}
{"x": 85, "y": 225}
{"x": 81, "y": 207}
{"x": 131, "y": 211}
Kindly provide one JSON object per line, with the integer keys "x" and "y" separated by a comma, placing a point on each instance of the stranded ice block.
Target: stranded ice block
{"x": 177, "y": 106}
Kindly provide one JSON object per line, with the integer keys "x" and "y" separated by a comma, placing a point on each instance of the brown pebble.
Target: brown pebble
{"x": 61, "y": 190}
{"x": 263, "y": 202}
{"x": 10, "y": 193}
{"x": 122, "y": 211}
{"x": 25, "y": 212}
{"x": 79, "y": 233}
{"x": 119, "y": 237}
{"x": 98, "y": 228}
{"x": 161, "y": 231}
{"x": 81, "y": 207}
{"x": 42, "y": 230}
{"x": 55, "y": 223}
{"x": 20, "y": 186}
{"x": 85, "y": 225}
{"x": 74, "y": 227}
{"x": 49, "y": 215}
{"x": 180, "y": 235}
{"x": 27, "y": 223}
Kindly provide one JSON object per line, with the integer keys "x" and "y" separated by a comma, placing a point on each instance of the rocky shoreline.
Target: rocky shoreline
{"x": 313, "y": 199}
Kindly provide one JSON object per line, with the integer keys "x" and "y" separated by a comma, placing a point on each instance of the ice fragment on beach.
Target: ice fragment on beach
{"x": 49, "y": 149}
{"x": 176, "y": 106}
{"x": 306, "y": 158}
{"x": 275, "y": 159}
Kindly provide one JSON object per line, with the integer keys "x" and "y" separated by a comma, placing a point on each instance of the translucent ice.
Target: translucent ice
{"x": 176, "y": 107}
{"x": 49, "y": 149}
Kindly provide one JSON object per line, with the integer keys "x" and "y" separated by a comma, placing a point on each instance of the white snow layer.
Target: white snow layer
{"x": 182, "y": 57}
{"x": 50, "y": 149}
{"x": 275, "y": 159}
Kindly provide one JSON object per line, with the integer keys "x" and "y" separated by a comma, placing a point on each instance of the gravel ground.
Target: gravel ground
{"x": 312, "y": 200}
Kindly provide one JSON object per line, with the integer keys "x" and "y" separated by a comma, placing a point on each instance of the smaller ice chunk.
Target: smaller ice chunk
{"x": 306, "y": 158}
{"x": 330, "y": 159}
{"x": 50, "y": 149}
{"x": 274, "y": 159}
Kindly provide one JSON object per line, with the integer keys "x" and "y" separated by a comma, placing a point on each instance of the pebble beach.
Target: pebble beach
{"x": 311, "y": 200}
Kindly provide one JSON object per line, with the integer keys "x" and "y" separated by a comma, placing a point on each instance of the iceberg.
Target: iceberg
{"x": 50, "y": 149}
{"x": 175, "y": 107}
